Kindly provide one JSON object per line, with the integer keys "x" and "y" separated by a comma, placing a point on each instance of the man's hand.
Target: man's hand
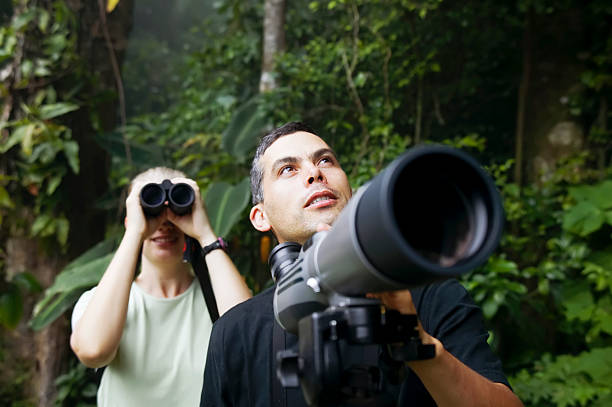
{"x": 401, "y": 300}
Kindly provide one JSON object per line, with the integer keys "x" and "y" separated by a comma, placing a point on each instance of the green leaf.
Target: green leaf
{"x": 578, "y": 301}
{"x": 600, "y": 195}
{"x": 27, "y": 282}
{"x": 11, "y": 307}
{"x": 71, "y": 150}
{"x": 244, "y": 129}
{"x": 62, "y": 227}
{"x": 82, "y": 276}
{"x": 23, "y": 19}
{"x": 50, "y": 313}
{"x": 5, "y": 199}
{"x": 489, "y": 308}
{"x": 84, "y": 272}
{"x": 225, "y": 203}
{"x": 17, "y": 136}
{"x": 99, "y": 250}
{"x": 43, "y": 20}
{"x": 56, "y": 109}
{"x": 40, "y": 224}
{"x": 583, "y": 219}
{"x": 54, "y": 182}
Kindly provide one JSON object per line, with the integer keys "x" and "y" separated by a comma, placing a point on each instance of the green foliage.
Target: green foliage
{"x": 82, "y": 273}
{"x": 374, "y": 78}
{"x": 239, "y": 136}
{"x": 225, "y": 203}
{"x": 38, "y": 149}
{"x": 582, "y": 380}
{"x": 11, "y": 298}
{"x": 76, "y": 387}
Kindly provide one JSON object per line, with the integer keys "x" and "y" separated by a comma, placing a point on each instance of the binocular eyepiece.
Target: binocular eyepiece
{"x": 153, "y": 196}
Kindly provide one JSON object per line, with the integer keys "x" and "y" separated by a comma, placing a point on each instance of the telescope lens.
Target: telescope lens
{"x": 152, "y": 197}
{"x": 444, "y": 217}
{"x": 181, "y": 197}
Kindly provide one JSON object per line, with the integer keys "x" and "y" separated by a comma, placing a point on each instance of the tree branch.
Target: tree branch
{"x": 118, "y": 80}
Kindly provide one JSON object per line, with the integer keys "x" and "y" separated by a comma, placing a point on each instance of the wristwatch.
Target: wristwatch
{"x": 217, "y": 244}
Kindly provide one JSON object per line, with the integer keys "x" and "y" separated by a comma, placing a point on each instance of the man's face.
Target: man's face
{"x": 303, "y": 187}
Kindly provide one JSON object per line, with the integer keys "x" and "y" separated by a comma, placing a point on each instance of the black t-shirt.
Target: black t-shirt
{"x": 240, "y": 364}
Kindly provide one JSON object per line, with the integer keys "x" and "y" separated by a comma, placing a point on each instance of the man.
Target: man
{"x": 298, "y": 189}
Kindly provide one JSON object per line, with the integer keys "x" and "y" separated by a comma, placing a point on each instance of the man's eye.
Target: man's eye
{"x": 286, "y": 170}
{"x": 326, "y": 160}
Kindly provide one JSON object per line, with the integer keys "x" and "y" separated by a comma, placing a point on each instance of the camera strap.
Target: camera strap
{"x": 193, "y": 253}
{"x": 279, "y": 393}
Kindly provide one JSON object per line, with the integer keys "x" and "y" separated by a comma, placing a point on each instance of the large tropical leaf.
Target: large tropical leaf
{"x": 244, "y": 129}
{"x": 225, "y": 203}
{"x": 55, "y": 307}
{"x": 84, "y": 272}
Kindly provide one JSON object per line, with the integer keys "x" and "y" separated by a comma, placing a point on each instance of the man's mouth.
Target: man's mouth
{"x": 321, "y": 199}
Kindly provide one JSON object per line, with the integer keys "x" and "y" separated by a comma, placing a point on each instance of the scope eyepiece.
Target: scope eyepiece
{"x": 153, "y": 196}
{"x": 282, "y": 256}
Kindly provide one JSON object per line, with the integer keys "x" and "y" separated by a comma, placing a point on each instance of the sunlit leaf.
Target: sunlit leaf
{"x": 56, "y": 109}
{"x": 17, "y": 136}
{"x": 111, "y": 4}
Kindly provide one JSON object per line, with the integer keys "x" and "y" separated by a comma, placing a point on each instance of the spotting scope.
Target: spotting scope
{"x": 430, "y": 215}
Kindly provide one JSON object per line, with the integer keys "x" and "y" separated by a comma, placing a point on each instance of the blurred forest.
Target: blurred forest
{"x": 91, "y": 96}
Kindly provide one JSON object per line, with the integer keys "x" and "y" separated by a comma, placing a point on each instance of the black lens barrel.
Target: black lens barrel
{"x": 153, "y": 197}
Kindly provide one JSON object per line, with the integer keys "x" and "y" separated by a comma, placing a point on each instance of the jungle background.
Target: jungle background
{"x": 93, "y": 92}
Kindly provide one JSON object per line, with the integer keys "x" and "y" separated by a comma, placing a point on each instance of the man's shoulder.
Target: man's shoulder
{"x": 447, "y": 291}
{"x": 250, "y": 311}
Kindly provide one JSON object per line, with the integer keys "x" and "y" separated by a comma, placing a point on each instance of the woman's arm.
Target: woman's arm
{"x": 97, "y": 333}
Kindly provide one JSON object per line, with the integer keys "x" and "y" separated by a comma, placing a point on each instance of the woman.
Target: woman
{"x": 152, "y": 331}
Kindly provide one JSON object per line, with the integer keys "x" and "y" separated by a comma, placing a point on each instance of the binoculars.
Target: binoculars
{"x": 153, "y": 196}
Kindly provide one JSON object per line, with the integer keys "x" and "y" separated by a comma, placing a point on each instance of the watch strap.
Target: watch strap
{"x": 217, "y": 244}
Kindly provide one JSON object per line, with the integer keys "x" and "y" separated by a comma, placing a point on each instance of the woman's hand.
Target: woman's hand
{"x": 196, "y": 223}
{"x": 135, "y": 219}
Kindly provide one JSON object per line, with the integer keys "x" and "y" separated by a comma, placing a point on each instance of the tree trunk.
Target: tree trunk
{"x": 522, "y": 98}
{"x": 550, "y": 130}
{"x": 37, "y": 358}
{"x": 273, "y": 42}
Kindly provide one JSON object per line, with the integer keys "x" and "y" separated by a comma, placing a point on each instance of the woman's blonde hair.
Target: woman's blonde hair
{"x": 160, "y": 173}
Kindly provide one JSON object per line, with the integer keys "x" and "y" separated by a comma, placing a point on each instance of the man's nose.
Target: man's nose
{"x": 315, "y": 175}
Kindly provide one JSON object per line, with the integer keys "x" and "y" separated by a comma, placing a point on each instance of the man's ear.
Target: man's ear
{"x": 259, "y": 219}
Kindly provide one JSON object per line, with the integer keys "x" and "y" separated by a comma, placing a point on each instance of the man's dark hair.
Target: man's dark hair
{"x": 264, "y": 143}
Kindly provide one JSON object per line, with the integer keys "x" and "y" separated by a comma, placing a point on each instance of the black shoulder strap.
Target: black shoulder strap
{"x": 193, "y": 252}
{"x": 279, "y": 394}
